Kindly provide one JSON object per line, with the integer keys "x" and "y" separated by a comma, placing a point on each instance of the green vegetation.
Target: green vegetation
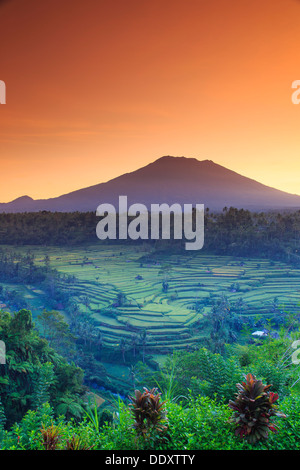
{"x": 230, "y": 232}
{"x": 115, "y": 295}
{"x": 33, "y": 372}
{"x": 195, "y": 401}
{"x": 147, "y": 346}
{"x": 254, "y": 406}
{"x": 149, "y": 414}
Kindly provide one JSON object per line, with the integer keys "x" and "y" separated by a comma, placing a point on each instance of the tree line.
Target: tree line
{"x": 231, "y": 231}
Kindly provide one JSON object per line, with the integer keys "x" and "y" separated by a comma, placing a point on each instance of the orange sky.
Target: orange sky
{"x": 97, "y": 88}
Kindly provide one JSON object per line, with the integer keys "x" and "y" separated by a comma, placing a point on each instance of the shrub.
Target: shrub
{"x": 26, "y": 434}
{"x": 253, "y": 407}
{"x": 149, "y": 413}
{"x": 200, "y": 425}
{"x": 76, "y": 443}
{"x": 39, "y": 430}
{"x": 50, "y": 437}
{"x": 105, "y": 417}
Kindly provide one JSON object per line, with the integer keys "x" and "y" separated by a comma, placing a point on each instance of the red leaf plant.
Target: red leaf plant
{"x": 149, "y": 412}
{"x": 253, "y": 408}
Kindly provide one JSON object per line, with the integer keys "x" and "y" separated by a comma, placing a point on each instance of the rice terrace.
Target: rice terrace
{"x": 130, "y": 290}
{"x": 85, "y": 321}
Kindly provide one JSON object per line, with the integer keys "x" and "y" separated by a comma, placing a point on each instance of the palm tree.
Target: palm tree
{"x": 132, "y": 375}
{"x": 134, "y": 342}
{"x": 88, "y": 332}
{"x": 99, "y": 341}
{"x": 123, "y": 347}
{"x": 74, "y": 314}
{"x": 143, "y": 342}
{"x": 86, "y": 302}
{"x": 47, "y": 262}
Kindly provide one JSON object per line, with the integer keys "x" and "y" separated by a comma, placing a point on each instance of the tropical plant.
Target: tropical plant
{"x": 93, "y": 417}
{"x": 254, "y": 407}
{"x": 149, "y": 412}
{"x": 75, "y": 443}
{"x": 34, "y": 373}
{"x": 2, "y": 416}
{"x": 69, "y": 407}
{"x": 50, "y": 437}
{"x": 41, "y": 382}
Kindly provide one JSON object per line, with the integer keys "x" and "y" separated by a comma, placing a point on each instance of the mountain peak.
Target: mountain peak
{"x": 169, "y": 179}
{"x": 23, "y": 199}
{"x": 176, "y": 165}
{"x": 182, "y": 159}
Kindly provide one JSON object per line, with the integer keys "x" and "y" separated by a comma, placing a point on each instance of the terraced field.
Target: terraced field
{"x": 103, "y": 272}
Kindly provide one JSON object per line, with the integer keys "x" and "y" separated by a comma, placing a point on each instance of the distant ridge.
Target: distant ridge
{"x": 168, "y": 180}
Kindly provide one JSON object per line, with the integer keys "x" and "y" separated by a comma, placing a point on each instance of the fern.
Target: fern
{"x": 216, "y": 376}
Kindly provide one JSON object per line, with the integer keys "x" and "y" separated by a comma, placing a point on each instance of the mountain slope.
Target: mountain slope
{"x": 168, "y": 180}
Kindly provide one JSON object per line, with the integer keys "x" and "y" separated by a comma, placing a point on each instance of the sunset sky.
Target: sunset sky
{"x": 98, "y": 88}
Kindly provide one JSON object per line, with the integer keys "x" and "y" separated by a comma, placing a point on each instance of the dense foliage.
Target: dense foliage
{"x": 232, "y": 231}
{"x": 207, "y": 397}
{"x": 34, "y": 373}
{"x": 199, "y": 424}
{"x": 189, "y": 406}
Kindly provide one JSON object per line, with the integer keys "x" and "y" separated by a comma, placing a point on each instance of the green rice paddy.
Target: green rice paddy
{"x": 169, "y": 318}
